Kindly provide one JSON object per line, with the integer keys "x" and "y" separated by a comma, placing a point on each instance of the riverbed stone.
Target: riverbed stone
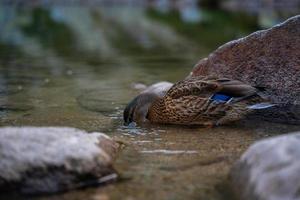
{"x": 37, "y": 160}
{"x": 269, "y": 170}
{"x": 159, "y": 88}
{"x": 269, "y": 59}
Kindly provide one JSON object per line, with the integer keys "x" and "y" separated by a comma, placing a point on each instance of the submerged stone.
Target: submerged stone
{"x": 269, "y": 59}
{"x": 15, "y": 107}
{"x": 37, "y": 160}
{"x": 269, "y": 170}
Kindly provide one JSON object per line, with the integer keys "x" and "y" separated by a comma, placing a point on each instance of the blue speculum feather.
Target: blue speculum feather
{"x": 220, "y": 97}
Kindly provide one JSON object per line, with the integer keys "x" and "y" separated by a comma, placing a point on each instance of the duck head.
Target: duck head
{"x": 137, "y": 109}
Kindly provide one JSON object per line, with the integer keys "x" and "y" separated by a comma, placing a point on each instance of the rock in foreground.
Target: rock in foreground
{"x": 269, "y": 59}
{"x": 37, "y": 160}
{"x": 269, "y": 170}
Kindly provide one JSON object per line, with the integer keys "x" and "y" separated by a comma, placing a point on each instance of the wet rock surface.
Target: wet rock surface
{"x": 268, "y": 58}
{"x": 269, "y": 170}
{"x": 38, "y": 160}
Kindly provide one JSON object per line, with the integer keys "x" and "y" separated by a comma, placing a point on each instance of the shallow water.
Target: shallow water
{"x": 72, "y": 66}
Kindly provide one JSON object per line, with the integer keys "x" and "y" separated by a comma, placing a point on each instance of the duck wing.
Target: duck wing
{"x": 189, "y": 110}
{"x": 209, "y": 87}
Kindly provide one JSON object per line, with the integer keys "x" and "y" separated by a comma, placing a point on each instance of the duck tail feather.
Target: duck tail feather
{"x": 260, "y": 106}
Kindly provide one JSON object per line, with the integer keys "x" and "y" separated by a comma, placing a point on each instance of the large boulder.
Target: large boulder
{"x": 268, "y": 58}
{"x": 269, "y": 170}
{"x": 37, "y": 160}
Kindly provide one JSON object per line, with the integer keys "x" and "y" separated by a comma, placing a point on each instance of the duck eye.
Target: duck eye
{"x": 131, "y": 115}
{"x": 128, "y": 114}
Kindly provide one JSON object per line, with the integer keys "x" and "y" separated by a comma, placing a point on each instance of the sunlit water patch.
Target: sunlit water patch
{"x": 168, "y": 152}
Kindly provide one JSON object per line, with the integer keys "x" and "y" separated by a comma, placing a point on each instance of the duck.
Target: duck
{"x": 203, "y": 101}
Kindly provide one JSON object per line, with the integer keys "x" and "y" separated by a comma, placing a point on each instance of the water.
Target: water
{"x": 75, "y": 66}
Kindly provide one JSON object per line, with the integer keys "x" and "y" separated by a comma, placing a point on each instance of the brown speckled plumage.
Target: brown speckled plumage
{"x": 188, "y": 102}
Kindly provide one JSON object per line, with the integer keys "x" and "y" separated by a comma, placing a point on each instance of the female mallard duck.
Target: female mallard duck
{"x": 196, "y": 101}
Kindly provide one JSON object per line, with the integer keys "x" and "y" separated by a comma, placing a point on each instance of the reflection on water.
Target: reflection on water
{"x": 168, "y": 152}
{"x": 75, "y": 66}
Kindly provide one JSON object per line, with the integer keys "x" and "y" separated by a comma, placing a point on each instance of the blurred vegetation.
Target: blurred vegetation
{"x": 211, "y": 4}
{"x": 216, "y": 28}
{"x": 51, "y": 33}
{"x": 9, "y": 51}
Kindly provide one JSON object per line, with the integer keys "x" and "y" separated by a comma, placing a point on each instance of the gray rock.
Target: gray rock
{"x": 159, "y": 88}
{"x": 36, "y": 160}
{"x": 138, "y": 86}
{"x": 268, "y": 58}
{"x": 269, "y": 170}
